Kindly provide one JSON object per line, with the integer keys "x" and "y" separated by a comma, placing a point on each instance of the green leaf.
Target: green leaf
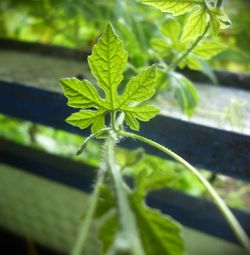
{"x": 134, "y": 157}
{"x": 176, "y": 7}
{"x": 155, "y": 180}
{"x": 195, "y": 24}
{"x": 192, "y": 62}
{"x": 162, "y": 46}
{"x": 144, "y": 113}
{"x": 218, "y": 19}
{"x": 198, "y": 19}
{"x": 159, "y": 233}
{"x": 208, "y": 70}
{"x": 80, "y": 94}
{"x": 207, "y": 49}
{"x": 140, "y": 87}
{"x": 84, "y": 118}
{"x": 107, "y": 63}
{"x": 106, "y": 201}
{"x": 171, "y": 29}
{"x": 107, "y": 233}
{"x": 184, "y": 92}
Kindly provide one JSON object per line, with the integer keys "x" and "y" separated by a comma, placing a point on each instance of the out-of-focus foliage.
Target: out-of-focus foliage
{"x": 133, "y": 162}
{"x": 79, "y": 23}
{"x": 48, "y": 139}
{"x": 148, "y": 34}
{"x": 237, "y": 57}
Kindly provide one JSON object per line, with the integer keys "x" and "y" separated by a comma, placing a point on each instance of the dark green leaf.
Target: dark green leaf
{"x": 108, "y": 232}
{"x": 159, "y": 233}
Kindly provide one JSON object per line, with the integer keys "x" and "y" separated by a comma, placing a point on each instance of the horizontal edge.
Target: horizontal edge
{"x": 192, "y": 212}
{"x": 205, "y": 147}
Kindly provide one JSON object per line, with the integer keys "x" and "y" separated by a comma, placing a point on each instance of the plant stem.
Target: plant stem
{"x": 128, "y": 236}
{"x": 232, "y": 221}
{"x": 92, "y": 136}
{"x": 112, "y": 116}
{"x": 85, "y": 226}
{"x": 175, "y": 63}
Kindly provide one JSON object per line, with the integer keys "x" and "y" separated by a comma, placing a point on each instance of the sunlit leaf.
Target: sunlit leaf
{"x": 176, "y": 7}
{"x": 195, "y": 24}
{"x": 162, "y": 46}
{"x": 192, "y": 62}
{"x": 107, "y": 63}
{"x": 171, "y": 29}
{"x": 207, "y": 49}
{"x": 219, "y": 19}
{"x": 135, "y": 113}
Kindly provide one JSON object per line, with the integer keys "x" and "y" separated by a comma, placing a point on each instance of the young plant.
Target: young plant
{"x": 128, "y": 225}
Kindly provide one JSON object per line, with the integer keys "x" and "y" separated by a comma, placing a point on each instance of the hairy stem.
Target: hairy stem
{"x": 232, "y": 221}
{"x": 113, "y": 117}
{"x": 89, "y": 138}
{"x": 175, "y": 63}
{"x": 127, "y": 238}
{"x": 86, "y": 224}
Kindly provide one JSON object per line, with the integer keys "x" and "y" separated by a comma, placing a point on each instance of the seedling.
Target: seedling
{"x": 130, "y": 227}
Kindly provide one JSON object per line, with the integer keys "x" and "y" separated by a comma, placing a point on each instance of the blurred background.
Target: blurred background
{"x": 77, "y": 24}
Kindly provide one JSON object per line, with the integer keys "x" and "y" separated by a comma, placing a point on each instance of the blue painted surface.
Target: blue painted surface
{"x": 195, "y": 213}
{"x": 198, "y": 214}
{"x": 216, "y": 150}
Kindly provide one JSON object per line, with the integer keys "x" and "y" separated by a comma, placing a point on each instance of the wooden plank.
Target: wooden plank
{"x": 17, "y": 66}
{"x": 193, "y": 212}
{"x": 213, "y": 149}
{"x": 227, "y": 79}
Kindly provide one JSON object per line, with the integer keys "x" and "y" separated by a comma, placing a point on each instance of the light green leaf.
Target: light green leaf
{"x": 184, "y": 92}
{"x": 85, "y": 118}
{"x": 195, "y": 24}
{"x": 218, "y": 19}
{"x": 161, "y": 81}
{"x": 107, "y": 63}
{"x": 171, "y": 29}
{"x": 159, "y": 233}
{"x": 192, "y": 62}
{"x": 162, "y": 46}
{"x": 140, "y": 87}
{"x": 80, "y": 94}
{"x": 176, "y": 7}
{"x": 144, "y": 113}
{"x": 214, "y": 22}
{"x": 207, "y": 49}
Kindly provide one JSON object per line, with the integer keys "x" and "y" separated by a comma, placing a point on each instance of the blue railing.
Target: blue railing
{"x": 210, "y": 148}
